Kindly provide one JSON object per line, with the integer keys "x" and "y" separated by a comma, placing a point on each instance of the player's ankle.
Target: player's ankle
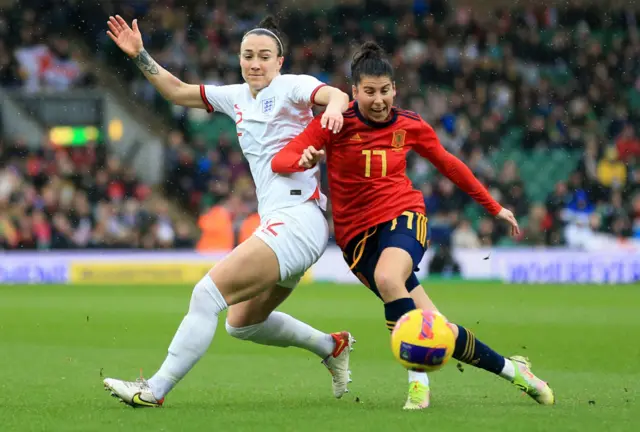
{"x": 393, "y": 310}
{"x": 159, "y": 386}
{"x": 508, "y": 371}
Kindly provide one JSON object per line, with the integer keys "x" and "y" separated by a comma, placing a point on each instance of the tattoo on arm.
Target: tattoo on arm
{"x": 146, "y": 63}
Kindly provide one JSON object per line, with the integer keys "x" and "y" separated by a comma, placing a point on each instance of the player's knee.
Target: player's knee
{"x": 242, "y": 333}
{"x": 206, "y": 299}
{"x": 389, "y": 283}
{"x": 200, "y": 291}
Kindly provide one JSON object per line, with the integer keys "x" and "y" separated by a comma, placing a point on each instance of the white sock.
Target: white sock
{"x": 509, "y": 370}
{"x": 283, "y": 330}
{"x": 192, "y": 339}
{"x": 421, "y": 377}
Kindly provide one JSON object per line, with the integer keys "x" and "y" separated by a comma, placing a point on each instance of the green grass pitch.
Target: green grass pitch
{"x": 56, "y": 340}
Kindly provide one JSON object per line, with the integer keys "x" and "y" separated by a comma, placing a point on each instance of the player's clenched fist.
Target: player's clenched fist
{"x": 310, "y": 157}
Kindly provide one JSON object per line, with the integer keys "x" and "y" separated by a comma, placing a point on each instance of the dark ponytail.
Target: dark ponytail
{"x": 370, "y": 60}
{"x": 269, "y": 22}
{"x": 269, "y": 27}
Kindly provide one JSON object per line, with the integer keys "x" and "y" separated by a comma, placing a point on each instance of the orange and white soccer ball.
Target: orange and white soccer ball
{"x": 422, "y": 340}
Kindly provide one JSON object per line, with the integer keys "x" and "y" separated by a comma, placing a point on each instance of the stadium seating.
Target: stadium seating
{"x": 78, "y": 198}
{"x": 547, "y": 80}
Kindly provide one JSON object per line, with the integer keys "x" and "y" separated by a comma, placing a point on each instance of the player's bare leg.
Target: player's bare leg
{"x": 247, "y": 271}
{"x": 256, "y": 320}
{"x": 393, "y": 269}
{"x": 516, "y": 369}
{"x": 424, "y": 302}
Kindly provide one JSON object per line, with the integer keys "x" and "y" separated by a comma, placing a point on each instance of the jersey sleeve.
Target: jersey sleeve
{"x": 286, "y": 160}
{"x": 303, "y": 89}
{"x": 219, "y": 98}
{"x": 454, "y": 169}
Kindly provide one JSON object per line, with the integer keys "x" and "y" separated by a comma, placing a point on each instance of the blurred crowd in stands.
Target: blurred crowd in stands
{"x": 71, "y": 198}
{"x": 35, "y": 49}
{"x": 543, "y": 103}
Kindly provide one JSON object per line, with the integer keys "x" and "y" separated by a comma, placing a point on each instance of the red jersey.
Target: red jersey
{"x": 367, "y": 163}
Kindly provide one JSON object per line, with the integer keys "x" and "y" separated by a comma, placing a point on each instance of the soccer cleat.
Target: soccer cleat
{"x": 529, "y": 383}
{"x": 338, "y": 362}
{"x": 134, "y": 393}
{"x": 419, "y": 396}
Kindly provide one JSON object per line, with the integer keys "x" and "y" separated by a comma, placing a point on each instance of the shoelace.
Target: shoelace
{"x": 143, "y": 382}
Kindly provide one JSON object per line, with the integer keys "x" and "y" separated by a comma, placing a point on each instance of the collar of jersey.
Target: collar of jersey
{"x": 363, "y": 119}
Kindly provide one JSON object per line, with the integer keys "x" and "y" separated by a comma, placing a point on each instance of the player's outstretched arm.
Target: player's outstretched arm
{"x": 304, "y": 151}
{"x": 129, "y": 40}
{"x": 460, "y": 174}
{"x": 336, "y": 102}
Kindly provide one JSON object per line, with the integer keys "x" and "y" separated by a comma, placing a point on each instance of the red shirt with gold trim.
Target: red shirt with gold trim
{"x": 367, "y": 162}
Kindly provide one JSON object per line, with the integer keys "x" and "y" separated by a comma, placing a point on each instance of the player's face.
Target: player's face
{"x": 375, "y": 96}
{"x": 259, "y": 61}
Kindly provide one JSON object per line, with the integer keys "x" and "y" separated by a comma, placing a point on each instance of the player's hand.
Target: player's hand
{"x": 127, "y": 38}
{"x": 509, "y": 217}
{"x": 332, "y": 119}
{"x": 310, "y": 157}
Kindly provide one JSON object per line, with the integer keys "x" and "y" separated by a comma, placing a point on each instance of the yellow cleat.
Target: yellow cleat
{"x": 526, "y": 381}
{"x": 419, "y": 396}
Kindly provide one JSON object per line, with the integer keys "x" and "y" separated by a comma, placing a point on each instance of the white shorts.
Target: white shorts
{"x": 298, "y": 235}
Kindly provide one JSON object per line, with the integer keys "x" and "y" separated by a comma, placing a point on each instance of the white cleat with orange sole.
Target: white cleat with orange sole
{"x": 338, "y": 363}
{"x": 133, "y": 393}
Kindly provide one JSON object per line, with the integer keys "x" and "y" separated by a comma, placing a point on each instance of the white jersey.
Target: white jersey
{"x": 265, "y": 125}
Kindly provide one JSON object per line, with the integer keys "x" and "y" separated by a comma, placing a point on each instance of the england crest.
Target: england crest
{"x": 268, "y": 105}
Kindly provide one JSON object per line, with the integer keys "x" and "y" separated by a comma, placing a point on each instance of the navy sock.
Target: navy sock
{"x": 471, "y": 351}
{"x": 395, "y": 309}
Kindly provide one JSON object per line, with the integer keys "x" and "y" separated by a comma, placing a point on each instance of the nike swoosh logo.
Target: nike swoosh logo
{"x": 340, "y": 347}
{"x": 138, "y": 401}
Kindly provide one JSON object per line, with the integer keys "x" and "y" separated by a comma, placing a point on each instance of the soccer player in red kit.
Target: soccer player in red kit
{"x": 380, "y": 220}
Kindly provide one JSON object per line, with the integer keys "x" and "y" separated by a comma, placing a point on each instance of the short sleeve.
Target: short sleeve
{"x": 219, "y": 98}
{"x": 303, "y": 89}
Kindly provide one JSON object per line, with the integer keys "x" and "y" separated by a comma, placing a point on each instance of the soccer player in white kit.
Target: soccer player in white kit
{"x": 252, "y": 281}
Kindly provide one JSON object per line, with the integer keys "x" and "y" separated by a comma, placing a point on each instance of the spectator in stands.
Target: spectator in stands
{"x": 487, "y": 233}
{"x": 633, "y": 185}
{"x": 516, "y": 200}
{"x": 216, "y": 225}
{"x": 581, "y": 232}
{"x": 184, "y": 238}
{"x": 578, "y": 208}
{"x": 443, "y": 263}
{"x": 536, "y": 135}
{"x": 248, "y": 227}
{"x": 588, "y": 165}
{"x": 628, "y": 145}
{"x": 614, "y": 209}
{"x": 539, "y": 223}
{"x": 9, "y": 72}
{"x": 431, "y": 200}
{"x": 480, "y": 166}
{"x": 612, "y": 172}
{"x": 464, "y": 236}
